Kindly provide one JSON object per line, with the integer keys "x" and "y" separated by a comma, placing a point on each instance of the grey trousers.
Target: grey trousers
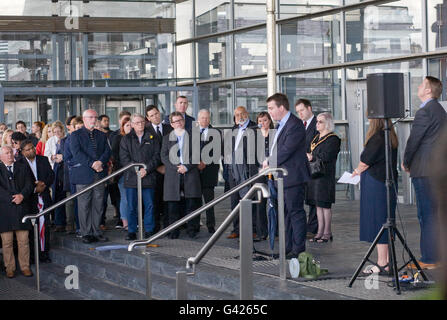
{"x": 90, "y": 206}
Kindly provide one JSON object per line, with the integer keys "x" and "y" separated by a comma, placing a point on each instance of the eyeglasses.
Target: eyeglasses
{"x": 138, "y": 122}
{"x": 177, "y": 121}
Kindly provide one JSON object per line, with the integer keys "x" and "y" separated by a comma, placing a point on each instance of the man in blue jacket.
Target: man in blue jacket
{"x": 91, "y": 152}
{"x": 289, "y": 151}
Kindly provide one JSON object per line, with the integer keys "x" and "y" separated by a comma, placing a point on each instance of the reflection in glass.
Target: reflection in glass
{"x": 250, "y": 52}
{"x": 249, "y": 12}
{"x": 307, "y": 43}
{"x": 323, "y": 89}
{"x": 213, "y": 57}
{"x": 252, "y": 95}
{"x": 212, "y": 16}
{"x": 292, "y": 8}
{"x": 438, "y": 68}
{"x": 437, "y": 24}
{"x": 384, "y": 31}
{"x": 130, "y": 56}
{"x": 217, "y": 99}
{"x": 184, "y": 24}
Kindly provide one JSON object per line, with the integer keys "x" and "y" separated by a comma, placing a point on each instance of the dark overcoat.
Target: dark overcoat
{"x": 171, "y": 187}
{"x": 323, "y": 188}
{"x": 11, "y": 214}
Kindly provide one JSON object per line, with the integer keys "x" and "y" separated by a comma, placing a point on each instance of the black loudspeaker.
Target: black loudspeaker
{"x": 385, "y": 95}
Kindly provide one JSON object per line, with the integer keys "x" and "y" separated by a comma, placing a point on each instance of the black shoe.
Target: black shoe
{"x": 101, "y": 238}
{"x": 291, "y": 255}
{"x": 119, "y": 224}
{"x": 192, "y": 234}
{"x": 88, "y": 239}
{"x": 149, "y": 234}
{"x": 131, "y": 236}
{"x": 211, "y": 230}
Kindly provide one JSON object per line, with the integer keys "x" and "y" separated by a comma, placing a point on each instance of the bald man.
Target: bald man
{"x": 91, "y": 152}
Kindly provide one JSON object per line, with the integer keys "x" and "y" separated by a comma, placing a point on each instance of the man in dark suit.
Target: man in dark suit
{"x": 158, "y": 130}
{"x": 303, "y": 109}
{"x": 428, "y": 123}
{"x": 209, "y": 170}
{"x": 182, "y": 178}
{"x": 289, "y": 152}
{"x": 91, "y": 153}
{"x": 43, "y": 177}
{"x": 181, "y": 105}
{"x": 243, "y": 161}
{"x": 16, "y": 191}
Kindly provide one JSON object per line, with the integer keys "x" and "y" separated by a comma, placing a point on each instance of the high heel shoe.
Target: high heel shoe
{"x": 315, "y": 239}
{"x": 324, "y": 239}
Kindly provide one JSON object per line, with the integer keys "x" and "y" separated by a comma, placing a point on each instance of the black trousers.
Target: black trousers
{"x": 115, "y": 196}
{"x": 208, "y": 195}
{"x": 161, "y": 218}
{"x": 235, "y": 198}
{"x": 295, "y": 219}
{"x": 43, "y": 255}
{"x": 176, "y": 212}
{"x": 312, "y": 220}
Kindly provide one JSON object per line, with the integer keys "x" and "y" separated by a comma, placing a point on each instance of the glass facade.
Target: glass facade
{"x": 325, "y": 49}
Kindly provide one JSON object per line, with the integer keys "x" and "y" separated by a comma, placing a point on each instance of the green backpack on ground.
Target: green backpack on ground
{"x": 309, "y": 268}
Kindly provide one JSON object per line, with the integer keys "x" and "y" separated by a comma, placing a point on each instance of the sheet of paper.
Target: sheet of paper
{"x": 346, "y": 178}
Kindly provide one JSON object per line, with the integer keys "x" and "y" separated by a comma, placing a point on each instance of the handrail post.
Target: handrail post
{"x": 281, "y": 231}
{"x": 148, "y": 275}
{"x": 140, "y": 204}
{"x": 35, "y": 223}
{"x": 180, "y": 287}
{"x": 246, "y": 250}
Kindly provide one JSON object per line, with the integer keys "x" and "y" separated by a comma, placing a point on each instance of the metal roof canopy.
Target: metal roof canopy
{"x": 78, "y": 91}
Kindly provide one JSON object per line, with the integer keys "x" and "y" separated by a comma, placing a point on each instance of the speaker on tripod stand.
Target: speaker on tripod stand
{"x": 385, "y": 101}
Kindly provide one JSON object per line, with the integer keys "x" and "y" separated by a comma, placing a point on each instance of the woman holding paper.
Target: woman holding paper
{"x": 321, "y": 190}
{"x": 373, "y": 204}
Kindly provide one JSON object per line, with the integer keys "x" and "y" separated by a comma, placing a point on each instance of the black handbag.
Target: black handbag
{"x": 317, "y": 168}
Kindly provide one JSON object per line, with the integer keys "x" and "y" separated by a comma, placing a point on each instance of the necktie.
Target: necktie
{"x": 305, "y": 124}
{"x": 10, "y": 174}
{"x": 277, "y": 126}
{"x": 92, "y": 139}
{"x": 158, "y": 131}
{"x": 202, "y": 138}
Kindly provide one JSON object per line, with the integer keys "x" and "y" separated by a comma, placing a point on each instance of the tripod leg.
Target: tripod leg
{"x": 393, "y": 258}
{"x": 413, "y": 259}
{"x": 370, "y": 250}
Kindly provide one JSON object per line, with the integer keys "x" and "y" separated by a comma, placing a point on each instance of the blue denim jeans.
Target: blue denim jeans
{"x": 124, "y": 209}
{"x": 148, "y": 209}
{"x": 426, "y": 215}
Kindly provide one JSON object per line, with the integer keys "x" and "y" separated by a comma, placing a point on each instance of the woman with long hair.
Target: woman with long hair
{"x": 373, "y": 201}
{"x": 46, "y": 132}
{"x": 265, "y": 123}
{"x": 36, "y": 129}
{"x": 6, "y": 138}
{"x": 124, "y": 129}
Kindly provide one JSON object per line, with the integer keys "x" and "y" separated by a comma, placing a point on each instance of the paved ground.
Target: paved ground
{"x": 341, "y": 257}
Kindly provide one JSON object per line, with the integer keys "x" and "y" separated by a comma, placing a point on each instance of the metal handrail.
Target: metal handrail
{"x": 213, "y": 239}
{"x": 77, "y": 194}
{"x": 197, "y": 212}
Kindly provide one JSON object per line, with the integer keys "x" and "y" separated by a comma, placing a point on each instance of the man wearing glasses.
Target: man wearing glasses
{"x": 140, "y": 146}
{"x": 182, "y": 178}
{"x": 91, "y": 152}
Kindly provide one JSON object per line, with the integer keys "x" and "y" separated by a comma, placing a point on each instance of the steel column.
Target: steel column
{"x": 246, "y": 250}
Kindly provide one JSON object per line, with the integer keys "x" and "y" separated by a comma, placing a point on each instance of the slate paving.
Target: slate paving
{"x": 341, "y": 257}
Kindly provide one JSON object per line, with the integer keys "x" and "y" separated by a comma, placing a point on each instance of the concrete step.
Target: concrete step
{"x": 130, "y": 278}
{"x": 209, "y": 282}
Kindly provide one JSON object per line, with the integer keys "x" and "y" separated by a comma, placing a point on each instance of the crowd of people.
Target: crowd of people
{"x": 54, "y": 161}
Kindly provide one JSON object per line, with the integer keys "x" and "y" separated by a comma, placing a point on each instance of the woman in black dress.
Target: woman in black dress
{"x": 321, "y": 191}
{"x": 265, "y": 123}
{"x": 373, "y": 204}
